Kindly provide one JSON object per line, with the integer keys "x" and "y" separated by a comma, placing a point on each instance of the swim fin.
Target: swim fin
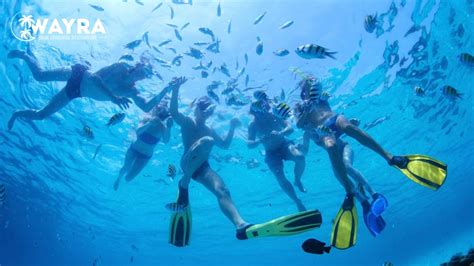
{"x": 283, "y": 226}
{"x": 180, "y": 227}
{"x": 422, "y": 169}
{"x": 344, "y": 231}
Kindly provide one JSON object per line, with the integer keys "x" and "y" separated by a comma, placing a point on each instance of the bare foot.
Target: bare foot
{"x": 16, "y": 54}
{"x": 300, "y": 206}
{"x": 300, "y": 186}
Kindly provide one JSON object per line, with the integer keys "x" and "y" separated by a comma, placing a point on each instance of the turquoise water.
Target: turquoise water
{"x": 61, "y": 208}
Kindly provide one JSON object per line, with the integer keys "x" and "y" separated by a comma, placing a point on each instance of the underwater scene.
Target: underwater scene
{"x": 236, "y": 132}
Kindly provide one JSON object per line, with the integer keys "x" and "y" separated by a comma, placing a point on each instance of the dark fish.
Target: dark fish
{"x": 131, "y": 259}
{"x": 246, "y": 57}
{"x": 133, "y": 45}
{"x": 451, "y": 92}
{"x": 165, "y": 42}
{"x": 310, "y": 51}
{"x": 178, "y": 36}
{"x": 213, "y": 95}
{"x": 196, "y": 53}
{"x": 247, "y": 79}
{"x": 204, "y": 74}
{"x": 183, "y": 2}
{"x": 259, "y": 18}
{"x": 201, "y": 43}
{"x": 314, "y": 246}
{"x": 175, "y": 207}
{"x": 370, "y": 23}
{"x": 185, "y": 26}
{"x": 467, "y": 59}
{"x": 282, "y": 110}
{"x": 115, "y": 119}
{"x": 177, "y": 60}
{"x": 172, "y": 49}
{"x": 139, "y": 2}
{"x": 281, "y": 52}
{"x": 219, "y": 9}
{"x": 171, "y": 12}
{"x": 286, "y": 24}
{"x": 158, "y": 75}
{"x": 171, "y": 171}
{"x": 96, "y": 151}
{"x": 223, "y": 68}
{"x": 145, "y": 39}
{"x": 98, "y": 8}
{"x": 126, "y": 57}
{"x": 156, "y": 49}
{"x": 241, "y": 72}
{"x": 419, "y": 91}
{"x": 87, "y": 131}
{"x": 259, "y": 48}
{"x": 214, "y": 47}
{"x": 134, "y": 248}
{"x": 229, "y": 26}
{"x": 172, "y": 25}
{"x": 158, "y": 6}
{"x": 209, "y": 32}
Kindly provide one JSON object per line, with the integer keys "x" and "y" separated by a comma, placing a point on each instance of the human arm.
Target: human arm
{"x": 225, "y": 143}
{"x": 304, "y": 147}
{"x": 252, "y": 135}
{"x": 147, "y": 106}
{"x": 177, "y": 116}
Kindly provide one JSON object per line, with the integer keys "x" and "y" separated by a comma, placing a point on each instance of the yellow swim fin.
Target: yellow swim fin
{"x": 180, "y": 227}
{"x": 344, "y": 230}
{"x": 422, "y": 169}
{"x": 283, "y": 226}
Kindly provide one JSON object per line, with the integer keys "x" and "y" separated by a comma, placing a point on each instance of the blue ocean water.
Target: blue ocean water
{"x": 61, "y": 208}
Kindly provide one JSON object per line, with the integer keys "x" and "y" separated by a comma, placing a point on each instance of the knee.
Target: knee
{"x": 330, "y": 144}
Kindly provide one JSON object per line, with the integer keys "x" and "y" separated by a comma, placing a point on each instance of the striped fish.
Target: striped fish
{"x": 260, "y": 95}
{"x": 3, "y": 194}
{"x": 467, "y": 59}
{"x": 282, "y": 110}
{"x": 451, "y": 92}
{"x": 175, "y": 207}
{"x": 419, "y": 91}
{"x": 370, "y": 23}
{"x": 115, "y": 119}
{"x": 87, "y": 131}
{"x": 311, "y": 51}
{"x": 171, "y": 171}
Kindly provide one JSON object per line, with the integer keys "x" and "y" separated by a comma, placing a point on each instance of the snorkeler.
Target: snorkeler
{"x": 149, "y": 133}
{"x": 272, "y": 132}
{"x": 115, "y": 83}
{"x": 198, "y": 140}
{"x": 316, "y": 114}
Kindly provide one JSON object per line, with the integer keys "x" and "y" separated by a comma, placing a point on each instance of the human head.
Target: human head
{"x": 141, "y": 71}
{"x": 161, "y": 111}
{"x": 204, "y": 108}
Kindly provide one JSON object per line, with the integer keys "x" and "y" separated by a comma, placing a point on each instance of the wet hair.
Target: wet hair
{"x": 203, "y": 103}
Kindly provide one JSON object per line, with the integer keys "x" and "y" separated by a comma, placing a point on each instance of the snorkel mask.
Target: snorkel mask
{"x": 205, "y": 105}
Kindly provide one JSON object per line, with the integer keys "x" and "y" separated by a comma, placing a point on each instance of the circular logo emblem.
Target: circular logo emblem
{"x": 21, "y": 26}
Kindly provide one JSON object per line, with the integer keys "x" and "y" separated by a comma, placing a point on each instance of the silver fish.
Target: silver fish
{"x": 156, "y": 49}
{"x": 171, "y": 12}
{"x": 214, "y": 47}
{"x": 259, "y": 18}
{"x": 98, "y": 8}
{"x": 229, "y": 26}
{"x": 286, "y": 24}
{"x": 133, "y": 45}
{"x": 145, "y": 39}
{"x": 281, "y": 52}
{"x": 185, "y": 26}
{"x": 115, "y": 119}
{"x": 201, "y": 43}
{"x": 247, "y": 79}
{"x": 219, "y": 9}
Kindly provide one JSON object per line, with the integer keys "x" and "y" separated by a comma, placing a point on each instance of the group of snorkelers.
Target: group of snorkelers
{"x": 313, "y": 114}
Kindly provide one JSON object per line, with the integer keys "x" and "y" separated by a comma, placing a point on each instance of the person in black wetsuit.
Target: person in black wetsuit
{"x": 115, "y": 83}
{"x": 149, "y": 133}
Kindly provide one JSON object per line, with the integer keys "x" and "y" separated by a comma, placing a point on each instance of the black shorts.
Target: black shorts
{"x": 204, "y": 166}
{"x": 73, "y": 86}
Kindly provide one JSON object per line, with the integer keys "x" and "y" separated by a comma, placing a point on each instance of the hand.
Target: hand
{"x": 122, "y": 102}
{"x": 235, "y": 122}
{"x": 176, "y": 82}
